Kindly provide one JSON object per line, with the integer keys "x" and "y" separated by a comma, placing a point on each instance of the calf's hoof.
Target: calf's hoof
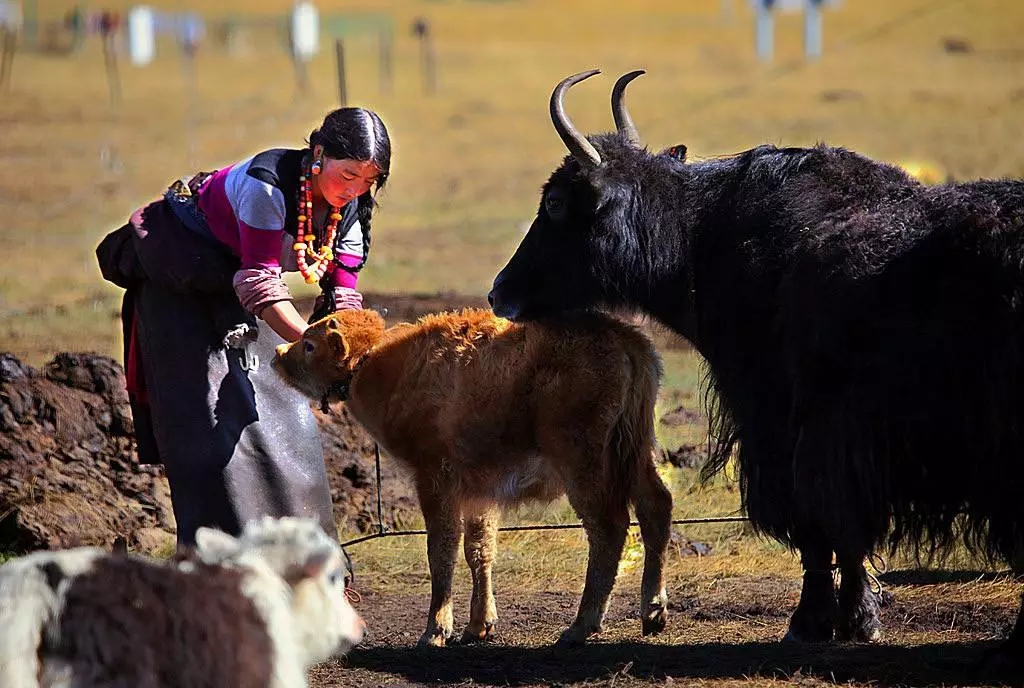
{"x": 436, "y": 637}
{"x": 575, "y": 636}
{"x": 478, "y": 635}
{"x": 654, "y": 621}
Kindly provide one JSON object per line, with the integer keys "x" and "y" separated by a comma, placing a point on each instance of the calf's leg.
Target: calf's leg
{"x": 653, "y": 504}
{"x": 606, "y": 519}
{"x": 480, "y": 546}
{"x": 443, "y": 518}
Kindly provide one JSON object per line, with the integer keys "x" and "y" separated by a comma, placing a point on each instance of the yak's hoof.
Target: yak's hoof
{"x": 1004, "y": 664}
{"x": 865, "y": 629}
{"x": 858, "y": 617}
{"x": 805, "y": 629}
{"x": 654, "y": 621}
{"x": 470, "y": 636}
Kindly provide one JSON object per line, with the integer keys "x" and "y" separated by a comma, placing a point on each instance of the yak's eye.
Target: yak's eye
{"x": 308, "y": 346}
{"x": 555, "y": 205}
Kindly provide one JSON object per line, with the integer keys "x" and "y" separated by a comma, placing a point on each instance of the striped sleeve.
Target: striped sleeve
{"x": 350, "y": 252}
{"x": 260, "y": 209}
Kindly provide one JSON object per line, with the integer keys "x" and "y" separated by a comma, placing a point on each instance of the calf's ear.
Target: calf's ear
{"x": 213, "y": 544}
{"x": 312, "y": 567}
{"x": 337, "y": 343}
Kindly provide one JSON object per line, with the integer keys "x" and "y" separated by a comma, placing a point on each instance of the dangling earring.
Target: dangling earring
{"x": 316, "y": 166}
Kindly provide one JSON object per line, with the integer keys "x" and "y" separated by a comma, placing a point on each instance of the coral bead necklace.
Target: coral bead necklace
{"x": 313, "y": 263}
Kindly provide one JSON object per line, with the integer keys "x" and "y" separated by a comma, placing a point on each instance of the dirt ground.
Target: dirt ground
{"x": 718, "y": 635}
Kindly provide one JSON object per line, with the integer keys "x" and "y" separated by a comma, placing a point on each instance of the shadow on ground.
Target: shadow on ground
{"x": 922, "y": 665}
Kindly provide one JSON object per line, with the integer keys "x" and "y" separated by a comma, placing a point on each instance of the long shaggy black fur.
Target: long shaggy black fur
{"x": 862, "y": 332}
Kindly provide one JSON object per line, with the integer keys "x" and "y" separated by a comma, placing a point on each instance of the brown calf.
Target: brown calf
{"x": 489, "y": 413}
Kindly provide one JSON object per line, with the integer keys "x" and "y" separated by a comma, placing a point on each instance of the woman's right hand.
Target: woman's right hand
{"x": 285, "y": 320}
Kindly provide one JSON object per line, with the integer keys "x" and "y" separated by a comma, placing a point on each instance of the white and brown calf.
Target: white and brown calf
{"x": 254, "y": 611}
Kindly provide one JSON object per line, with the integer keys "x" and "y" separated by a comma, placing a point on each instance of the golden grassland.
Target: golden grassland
{"x": 469, "y": 161}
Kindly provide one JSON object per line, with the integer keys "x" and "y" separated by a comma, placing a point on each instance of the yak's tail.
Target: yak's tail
{"x": 29, "y": 603}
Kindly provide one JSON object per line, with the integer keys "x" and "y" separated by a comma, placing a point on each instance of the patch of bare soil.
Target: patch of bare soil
{"x": 725, "y": 634}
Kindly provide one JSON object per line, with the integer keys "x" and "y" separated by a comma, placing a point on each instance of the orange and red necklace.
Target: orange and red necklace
{"x": 320, "y": 261}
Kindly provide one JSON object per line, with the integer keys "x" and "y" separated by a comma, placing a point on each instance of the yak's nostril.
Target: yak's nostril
{"x": 490, "y": 299}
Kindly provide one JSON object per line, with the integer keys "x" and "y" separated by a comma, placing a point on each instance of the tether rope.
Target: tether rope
{"x": 384, "y": 531}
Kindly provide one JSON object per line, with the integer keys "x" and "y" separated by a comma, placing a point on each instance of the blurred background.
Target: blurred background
{"x": 86, "y": 136}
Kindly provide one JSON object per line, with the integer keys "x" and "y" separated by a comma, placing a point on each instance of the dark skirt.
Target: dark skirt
{"x": 237, "y": 442}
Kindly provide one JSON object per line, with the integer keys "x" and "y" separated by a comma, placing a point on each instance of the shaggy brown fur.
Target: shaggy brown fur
{"x": 123, "y": 622}
{"x": 486, "y": 413}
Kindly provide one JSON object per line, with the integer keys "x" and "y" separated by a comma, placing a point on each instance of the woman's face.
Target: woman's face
{"x": 340, "y": 181}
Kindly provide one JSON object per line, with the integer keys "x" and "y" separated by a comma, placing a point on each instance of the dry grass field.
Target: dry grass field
{"x": 902, "y": 80}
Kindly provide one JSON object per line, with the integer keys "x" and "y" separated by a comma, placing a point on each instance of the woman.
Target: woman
{"x": 200, "y": 266}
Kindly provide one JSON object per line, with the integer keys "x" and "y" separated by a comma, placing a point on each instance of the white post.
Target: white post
{"x": 305, "y": 35}
{"x": 141, "y": 41}
{"x": 812, "y": 29}
{"x": 765, "y": 30}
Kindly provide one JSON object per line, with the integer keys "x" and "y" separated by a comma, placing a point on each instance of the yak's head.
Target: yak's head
{"x": 587, "y": 245}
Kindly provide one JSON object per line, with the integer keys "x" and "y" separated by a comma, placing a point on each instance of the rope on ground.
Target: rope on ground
{"x": 384, "y": 531}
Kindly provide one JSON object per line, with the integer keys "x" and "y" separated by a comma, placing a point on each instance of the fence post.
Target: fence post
{"x": 339, "y": 51}
{"x": 8, "y": 41}
{"x": 764, "y": 30}
{"x": 812, "y": 29}
{"x": 108, "y": 24}
{"x": 421, "y": 29}
{"x": 386, "y": 74}
{"x": 305, "y": 39}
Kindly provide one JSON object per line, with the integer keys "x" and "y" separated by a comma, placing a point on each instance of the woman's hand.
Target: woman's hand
{"x": 285, "y": 320}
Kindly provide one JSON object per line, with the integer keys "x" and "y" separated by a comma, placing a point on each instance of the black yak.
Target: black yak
{"x": 863, "y": 335}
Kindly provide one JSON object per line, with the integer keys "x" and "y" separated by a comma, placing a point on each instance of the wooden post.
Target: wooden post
{"x": 188, "y": 68}
{"x": 108, "y": 24}
{"x": 428, "y": 68}
{"x": 8, "y": 42}
{"x": 339, "y": 51}
{"x": 113, "y": 77}
{"x": 301, "y": 74}
{"x": 386, "y": 74}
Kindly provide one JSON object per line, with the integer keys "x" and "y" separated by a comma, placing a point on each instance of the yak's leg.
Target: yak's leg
{"x": 605, "y": 517}
{"x": 815, "y": 617}
{"x": 653, "y": 504}
{"x": 1013, "y": 649}
{"x": 480, "y": 545}
{"x": 443, "y": 518}
{"x": 858, "y": 604}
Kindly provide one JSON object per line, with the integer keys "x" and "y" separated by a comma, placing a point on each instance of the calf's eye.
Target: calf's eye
{"x": 308, "y": 346}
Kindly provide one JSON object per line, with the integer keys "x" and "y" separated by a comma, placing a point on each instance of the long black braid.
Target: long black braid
{"x": 359, "y": 134}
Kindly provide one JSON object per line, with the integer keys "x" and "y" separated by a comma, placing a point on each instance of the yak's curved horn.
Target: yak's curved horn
{"x": 576, "y": 142}
{"x": 623, "y": 122}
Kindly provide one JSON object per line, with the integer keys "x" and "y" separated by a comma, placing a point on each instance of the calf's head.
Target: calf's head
{"x": 325, "y": 357}
{"x": 587, "y": 245}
